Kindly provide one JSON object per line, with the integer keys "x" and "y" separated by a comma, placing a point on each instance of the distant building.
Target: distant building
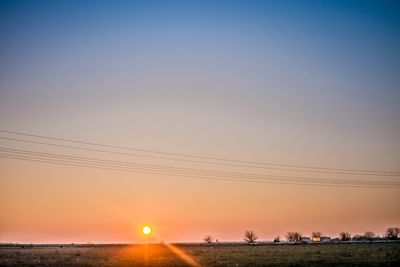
{"x": 325, "y": 239}
{"x": 321, "y": 239}
{"x": 306, "y": 239}
{"x": 315, "y": 239}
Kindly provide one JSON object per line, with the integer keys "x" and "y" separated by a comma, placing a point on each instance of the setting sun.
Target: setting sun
{"x": 146, "y": 230}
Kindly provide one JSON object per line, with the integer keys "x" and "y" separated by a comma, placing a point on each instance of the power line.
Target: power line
{"x": 193, "y": 177}
{"x": 201, "y": 157}
{"x": 134, "y": 165}
{"x": 196, "y": 176}
{"x": 198, "y": 161}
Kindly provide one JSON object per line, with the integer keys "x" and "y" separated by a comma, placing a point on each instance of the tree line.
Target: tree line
{"x": 392, "y": 233}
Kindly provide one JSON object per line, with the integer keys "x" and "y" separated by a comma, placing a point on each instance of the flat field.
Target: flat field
{"x": 364, "y": 254}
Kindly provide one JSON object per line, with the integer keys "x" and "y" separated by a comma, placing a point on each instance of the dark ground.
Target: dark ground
{"x": 363, "y": 254}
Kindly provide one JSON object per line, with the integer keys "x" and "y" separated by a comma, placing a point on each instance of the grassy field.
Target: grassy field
{"x": 376, "y": 254}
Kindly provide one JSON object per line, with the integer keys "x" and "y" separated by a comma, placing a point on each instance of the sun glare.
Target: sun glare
{"x": 146, "y": 230}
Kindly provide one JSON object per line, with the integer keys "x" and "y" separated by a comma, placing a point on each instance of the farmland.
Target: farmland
{"x": 361, "y": 254}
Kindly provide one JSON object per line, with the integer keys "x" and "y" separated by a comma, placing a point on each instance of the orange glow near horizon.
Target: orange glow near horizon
{"x": 118, "y": 214}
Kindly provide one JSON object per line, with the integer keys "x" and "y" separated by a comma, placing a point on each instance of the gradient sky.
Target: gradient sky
{"x": 293, "y": 82}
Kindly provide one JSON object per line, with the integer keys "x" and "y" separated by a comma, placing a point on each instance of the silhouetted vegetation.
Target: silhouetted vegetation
{"x": 344, "y": 236}
{"x": 392, "y": 233}
{"x": 250, "y": 236}
{"x": 316, "y": 236}
{"x": 358, "y": 238}
{"x": 369, "y": 235}
{"x": 208, "y": 238}
{"x": 294, "y": 237}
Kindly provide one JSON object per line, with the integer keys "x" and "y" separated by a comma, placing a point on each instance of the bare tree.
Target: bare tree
{"x": 392, "y": 233}
{"x": 208, "y": 238}
{"x": 298, "y": 236}
{"x": 369, "y": 235}
{"x": 250, "y": 236}
{"x": 344, "y": 236}
{"x": 277, "y": 239}
{"x": 294, "y": 237}
{"x": 316, "y": 236}
{"x": 290, "y": 236}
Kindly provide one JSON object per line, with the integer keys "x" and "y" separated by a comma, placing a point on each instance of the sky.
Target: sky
{"x": 309, "y": 83}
